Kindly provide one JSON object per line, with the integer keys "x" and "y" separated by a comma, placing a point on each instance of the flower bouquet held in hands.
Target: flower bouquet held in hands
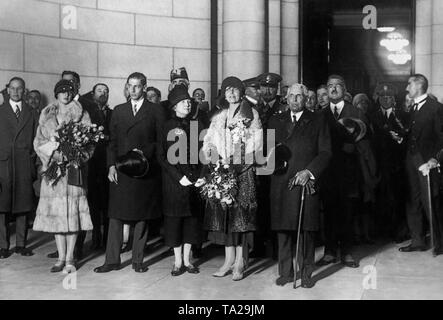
{"x": 238, "y": 130}
{"x": 75, "y": 142}
{"x": 221, "y": 185}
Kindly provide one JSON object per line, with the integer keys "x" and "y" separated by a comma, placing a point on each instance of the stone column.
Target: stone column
{"x": 274, "y": 35}
{"x": 289, "y": 63}
{"x": 437, "y": 49}
{"x": 428, "y": 44}
{"x": 244, "y": 30}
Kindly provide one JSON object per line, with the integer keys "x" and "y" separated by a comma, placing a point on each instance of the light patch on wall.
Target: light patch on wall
{"x": 69, "y": 18}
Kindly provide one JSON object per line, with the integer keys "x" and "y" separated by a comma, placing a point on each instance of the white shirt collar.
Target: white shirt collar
{"x": 420, "y": 100}
{"x": 339, "y": 106}
{"x": 14, "y": 104}
{"x": 77, "y": 96}
{"x": 137, "y": 103}
{"x": 388, "y": 111}
{"x": 297, "y": 115}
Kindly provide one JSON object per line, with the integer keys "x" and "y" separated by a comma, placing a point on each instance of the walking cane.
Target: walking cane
{"x": 428, "y": 182}
{"x": 298, "y": 236}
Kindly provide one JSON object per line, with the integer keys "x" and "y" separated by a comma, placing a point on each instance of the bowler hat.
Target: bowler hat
{"x": 134, "y": 164}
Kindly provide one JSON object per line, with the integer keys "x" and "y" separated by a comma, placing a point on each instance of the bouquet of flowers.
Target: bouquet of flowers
{"x": 221, "y": 185}
{"x": 75, "y": 140}
{"x": 238, "y": 130}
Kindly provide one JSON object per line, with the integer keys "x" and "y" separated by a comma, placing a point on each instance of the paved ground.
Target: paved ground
{"x": 384, "y": 273}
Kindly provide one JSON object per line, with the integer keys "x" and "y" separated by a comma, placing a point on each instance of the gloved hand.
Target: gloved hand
{"x": 184, "y": 181}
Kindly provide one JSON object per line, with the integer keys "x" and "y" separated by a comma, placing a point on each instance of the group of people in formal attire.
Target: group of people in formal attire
{"x": 336, "y": 171}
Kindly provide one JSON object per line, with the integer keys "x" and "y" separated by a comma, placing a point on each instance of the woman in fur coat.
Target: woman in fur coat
{"x": 63, "y": 208}
{"x": 231, "y": 226}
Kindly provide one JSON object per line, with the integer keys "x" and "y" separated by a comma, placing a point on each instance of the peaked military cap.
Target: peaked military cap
{"x": 252, "y": 82}
{"x": 269, "y": 79}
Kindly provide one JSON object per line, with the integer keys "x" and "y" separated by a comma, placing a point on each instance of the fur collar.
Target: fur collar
{"x": 74, "y": 112}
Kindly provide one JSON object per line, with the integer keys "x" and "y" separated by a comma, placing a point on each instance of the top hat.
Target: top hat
{"x": 134, "y": 164}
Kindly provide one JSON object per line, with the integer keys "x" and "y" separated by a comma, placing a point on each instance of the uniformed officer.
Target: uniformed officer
{"x": 390, "y": 155}
{"x": 272, "y": 102}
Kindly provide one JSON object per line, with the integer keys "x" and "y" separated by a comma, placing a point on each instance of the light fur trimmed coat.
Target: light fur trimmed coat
{"x": 219, "y": 138}
{"x": 62, "y": 208}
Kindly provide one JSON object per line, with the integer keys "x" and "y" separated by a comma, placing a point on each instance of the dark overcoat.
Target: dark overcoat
{"x": 310, "y": 145}
{"x": 135, "y": 199}
{"x": 17, "y": 158}
{"x": 343, "y": 177}
{"x": 98, "y": 186}
{"x": 425, "y": 139}
{"x": 181, "y": 201}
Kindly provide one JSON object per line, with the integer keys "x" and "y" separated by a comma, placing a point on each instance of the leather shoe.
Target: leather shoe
{"x": 437, "y": 251}
{"x": 176, "y": 271}
{"x": 411, "y": 248}
{"x": 107, "y": 268}
{"x": 324, "y": 262}
{"x": 4, "y": 253}
{"x": 59, "y": 266}
{"x": 306, "y": 279}
{"x": 24, "y": 251}
{"x": 281, "y": 281}
{"x": 138, "y": 267}
{"x": 349, "y": 262}
{"x": 191, "y": 269}
{"x": 53, "y": 255}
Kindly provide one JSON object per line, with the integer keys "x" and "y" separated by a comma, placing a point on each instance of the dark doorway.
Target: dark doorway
{"x": 334, "y": 40}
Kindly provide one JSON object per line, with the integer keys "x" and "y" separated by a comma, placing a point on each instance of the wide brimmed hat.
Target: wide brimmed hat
{"x": 133, "y": 164}
{"x": 355, "y": 127}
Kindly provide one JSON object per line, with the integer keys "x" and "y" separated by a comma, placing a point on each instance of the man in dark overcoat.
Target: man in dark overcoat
{"x": 306, "y": 135}
{"x": 136, "y": 124}
{"x": 342, "y": 182}
{"x": 390, "y": 156}
{"x": 96, "y": 104}
{"x": 423, "y": 142}
{"x": 18, "y": 124}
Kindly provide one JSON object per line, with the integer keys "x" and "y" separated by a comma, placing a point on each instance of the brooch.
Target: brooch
{"x": 179, "y": 132}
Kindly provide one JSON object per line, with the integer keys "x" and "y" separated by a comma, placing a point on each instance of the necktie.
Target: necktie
{"x": 386, "y": 116}
{"x": 336, "y": 114}
{"x": 294, "y": 119}
{"x": 415, "y": 107}
{"x": 134, "y": 109}
{"x": 17, "y": 111}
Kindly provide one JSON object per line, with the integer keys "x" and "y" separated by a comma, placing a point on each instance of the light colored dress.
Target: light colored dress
{"x": 62, "y": 208}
